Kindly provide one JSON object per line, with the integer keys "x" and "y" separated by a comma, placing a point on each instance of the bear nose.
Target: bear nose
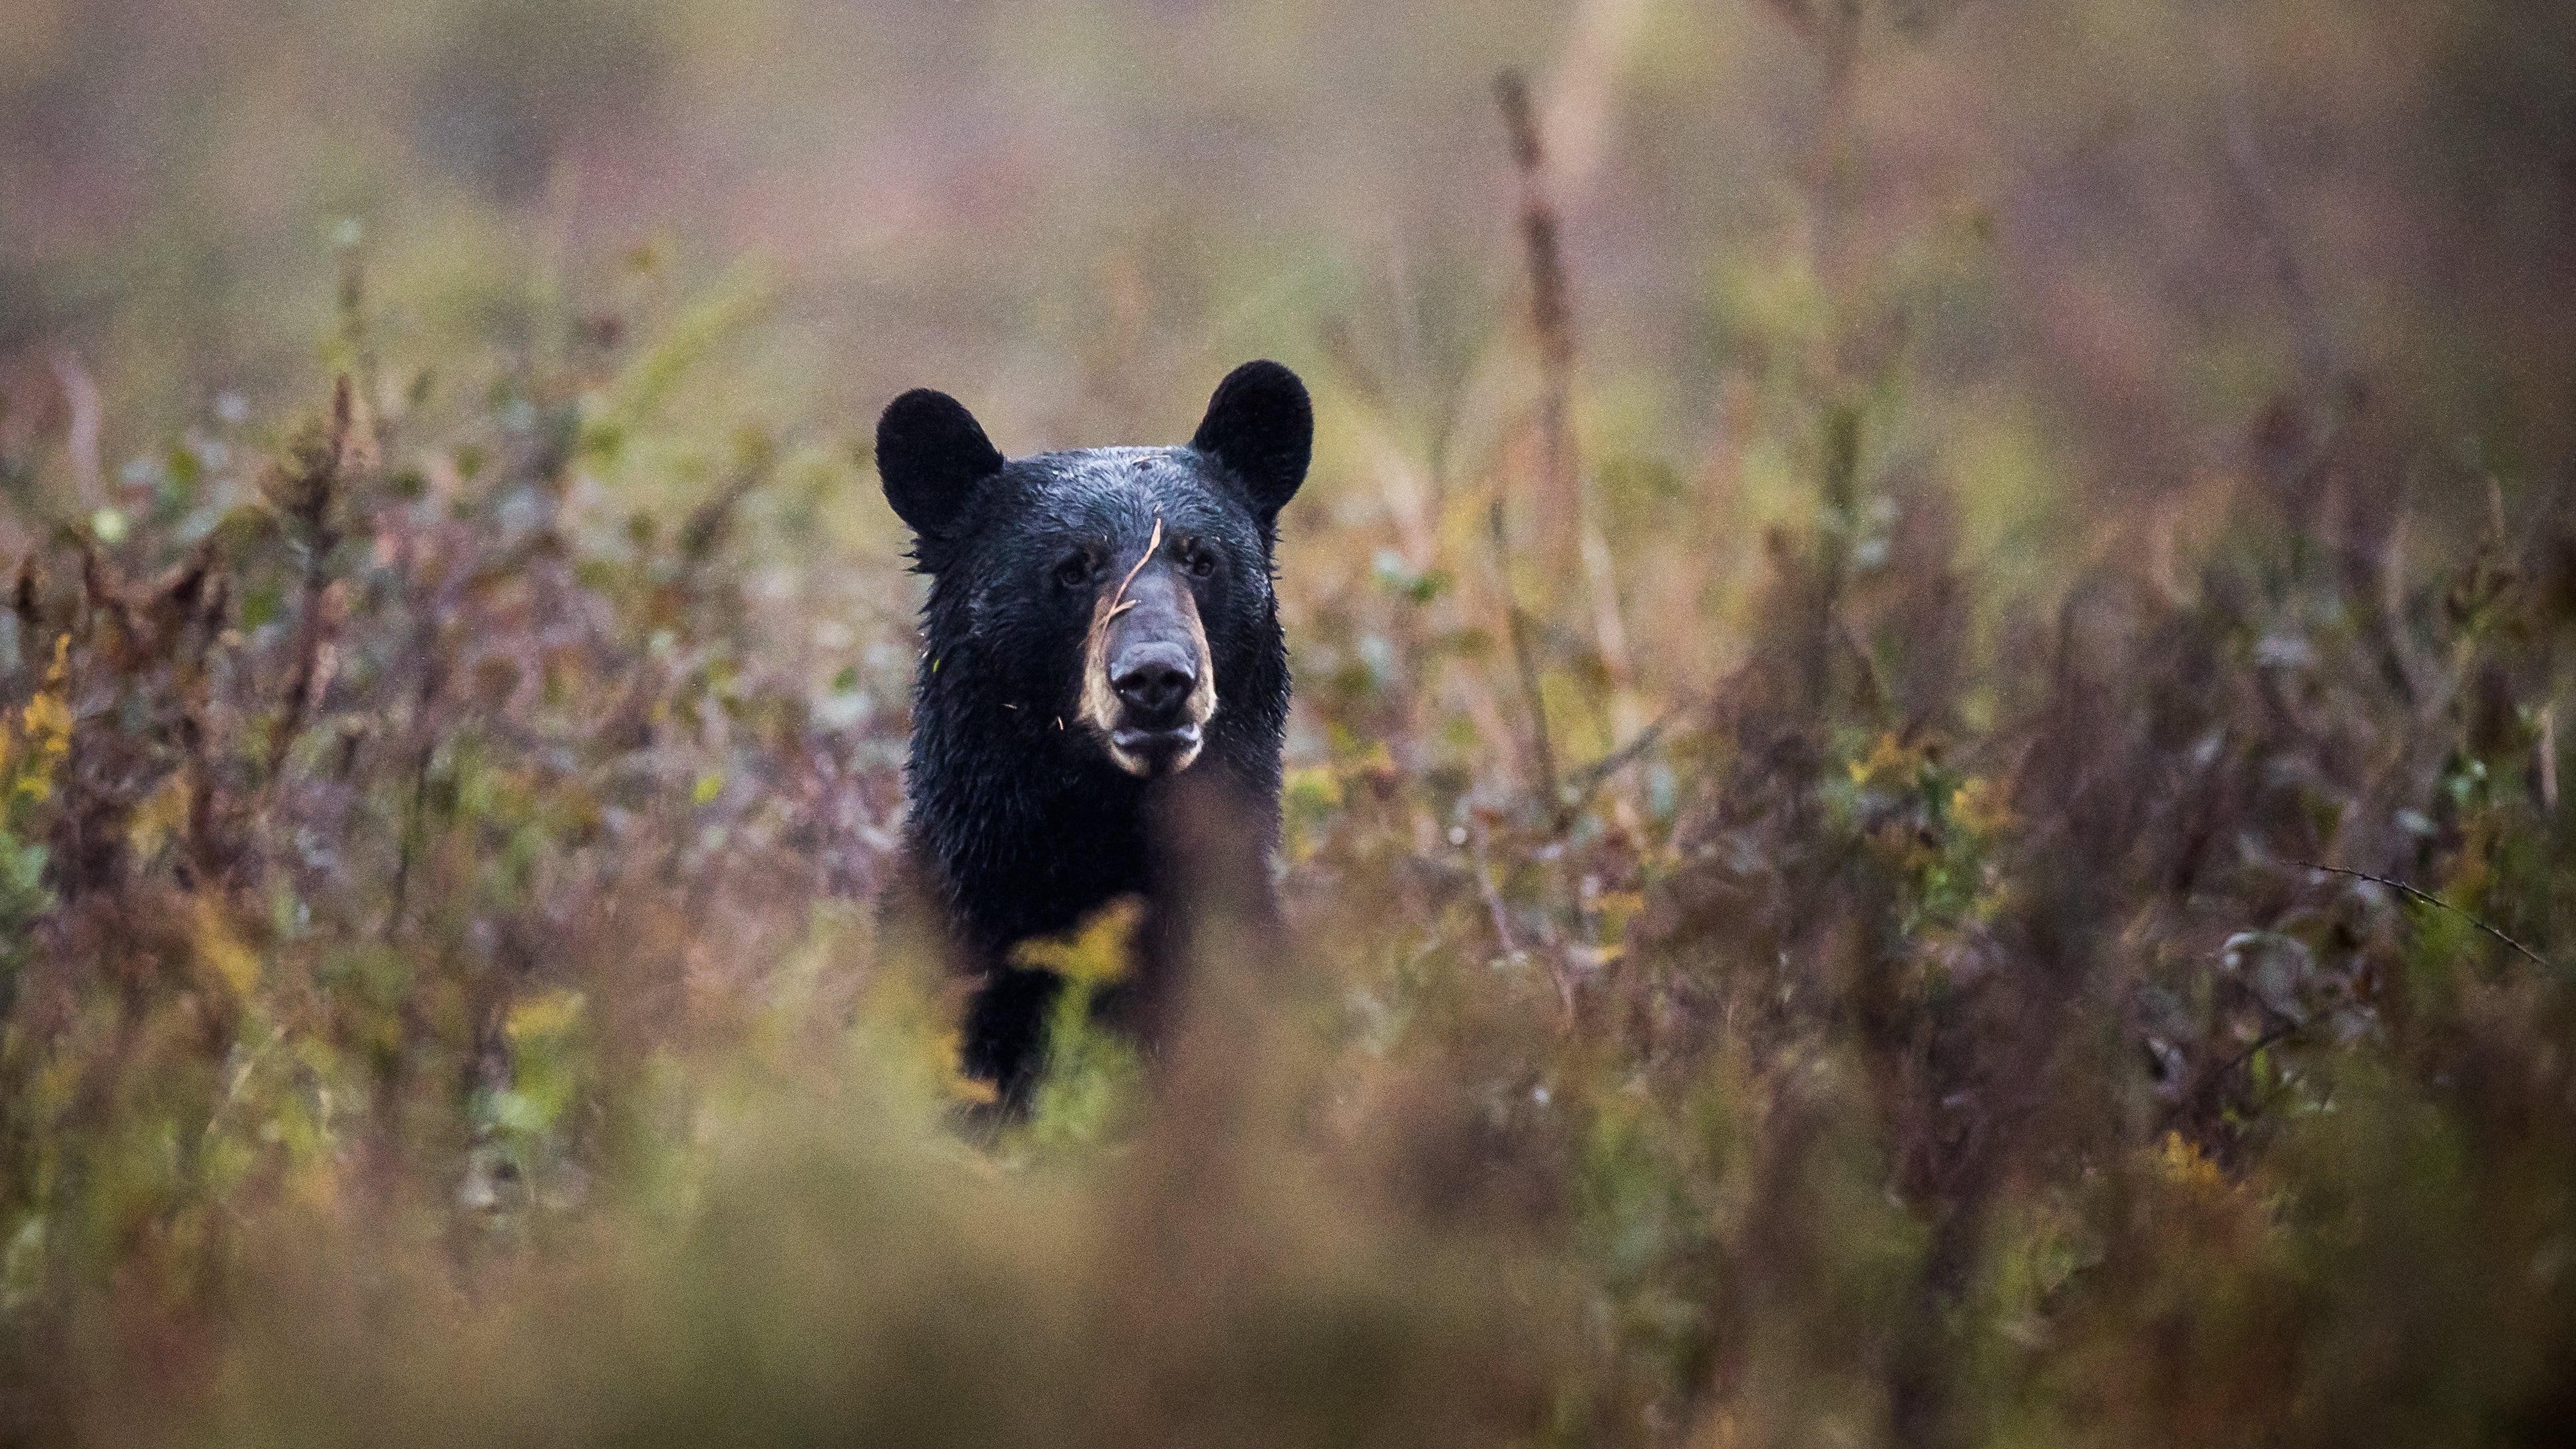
{"x": 1153, "y": 679}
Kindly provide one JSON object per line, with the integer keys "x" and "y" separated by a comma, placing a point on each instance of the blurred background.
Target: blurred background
{"x": 1869, "y": 561}
{"x": 2112, "y": 223}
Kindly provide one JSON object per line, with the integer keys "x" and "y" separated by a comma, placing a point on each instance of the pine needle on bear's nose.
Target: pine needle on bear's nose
{"x": 1118, "y": 600}
{"x": 1119, "y": 603}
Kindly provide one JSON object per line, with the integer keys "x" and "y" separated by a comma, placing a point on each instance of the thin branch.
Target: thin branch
{"x": 2206, "y": 1080}
{"x": 2549, "y": 757}
{"x": 1524, "y": 657}
{"x": 1495, "y": 911}
{"x": 304, "y": 490}
{"x": 708, "y": 523}
{"x": 2247, "y": 166}
{"x": 81, "y": 436}
{"x": 2427, "y": 898}
{"x": 1552, "y": 324}
{"x": 1500, "y": 914}
{"x": 1588, "y": 780}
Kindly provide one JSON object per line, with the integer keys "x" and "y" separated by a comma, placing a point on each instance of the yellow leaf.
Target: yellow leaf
{"x": 160, "y": 816}
{"x": 950, "y": 1052}
{"x": 219, "y": 947}
{"x": 1100, "y": 949}
{"x": 45, "y": 729}
{"x": 549, "y": 1017}
{"x": 1888, "y": 762}
{"x": 2190, "y": 1167}
{"x": 1978, "y": 805}
{"x": 1621, "y": 906}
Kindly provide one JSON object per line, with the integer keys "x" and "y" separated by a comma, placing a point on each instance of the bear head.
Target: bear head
{"x": 1114, "y": 599}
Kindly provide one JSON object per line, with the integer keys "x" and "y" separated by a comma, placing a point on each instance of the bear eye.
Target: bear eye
{"x": 1075, "y": 570}
{"x": 1199, "y": 559}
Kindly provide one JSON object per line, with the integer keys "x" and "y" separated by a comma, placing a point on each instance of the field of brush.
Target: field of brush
{"x": 1930, "y": 800}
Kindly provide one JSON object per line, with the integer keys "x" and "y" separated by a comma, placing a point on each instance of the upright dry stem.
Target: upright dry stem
{"x": 1567, "y": 505}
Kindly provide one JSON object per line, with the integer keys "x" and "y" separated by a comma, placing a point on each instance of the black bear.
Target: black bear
{"x": 1099, "y": 623}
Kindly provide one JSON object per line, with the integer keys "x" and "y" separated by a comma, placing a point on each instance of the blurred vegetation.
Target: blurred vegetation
{"x": 1935, "y": 644}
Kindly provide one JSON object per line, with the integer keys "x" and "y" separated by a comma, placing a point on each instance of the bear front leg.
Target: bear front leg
{"x": 1004, "y": 1034}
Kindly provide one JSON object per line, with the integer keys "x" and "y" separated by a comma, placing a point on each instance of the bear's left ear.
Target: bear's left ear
{"x": 1260, "y": 425}
{"x": 930, "y": 455}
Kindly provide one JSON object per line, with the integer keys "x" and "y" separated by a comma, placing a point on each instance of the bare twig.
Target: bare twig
{"x": 1831, "y": 31}
{"x": 1551, "y": 302}
{"x": 2427, "y": 898}
{"x": 2194, "y": 1097}
{"x": 304, "y": 491}
{"x": 1588, "y": 780}
{"x": 1500, "y": 915}
{"x": 81, "y": 436}
{"x": 1552, "y": 323}
{"x": 2253, "y": 177}
{"x": 1495, "y": 910}
{"x": 420, "y": 567}
{"x": 709, "y": 521}
{"x": 1524, "y": 658}
{"x": 2549, "y": 757}
{"x": 1551, "y": 307}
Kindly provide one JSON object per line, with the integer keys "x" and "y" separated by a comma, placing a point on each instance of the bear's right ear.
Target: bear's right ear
{"x": 931, "y": 454}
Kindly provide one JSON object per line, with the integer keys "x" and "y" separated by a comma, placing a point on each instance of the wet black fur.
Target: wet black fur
{"x": 1021, "y": 825}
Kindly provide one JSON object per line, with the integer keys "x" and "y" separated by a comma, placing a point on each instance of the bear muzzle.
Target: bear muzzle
{"x": 1148, "y": 686}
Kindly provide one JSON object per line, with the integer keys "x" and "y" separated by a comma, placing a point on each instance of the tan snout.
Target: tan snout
{"x": 1148, "y": 686}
